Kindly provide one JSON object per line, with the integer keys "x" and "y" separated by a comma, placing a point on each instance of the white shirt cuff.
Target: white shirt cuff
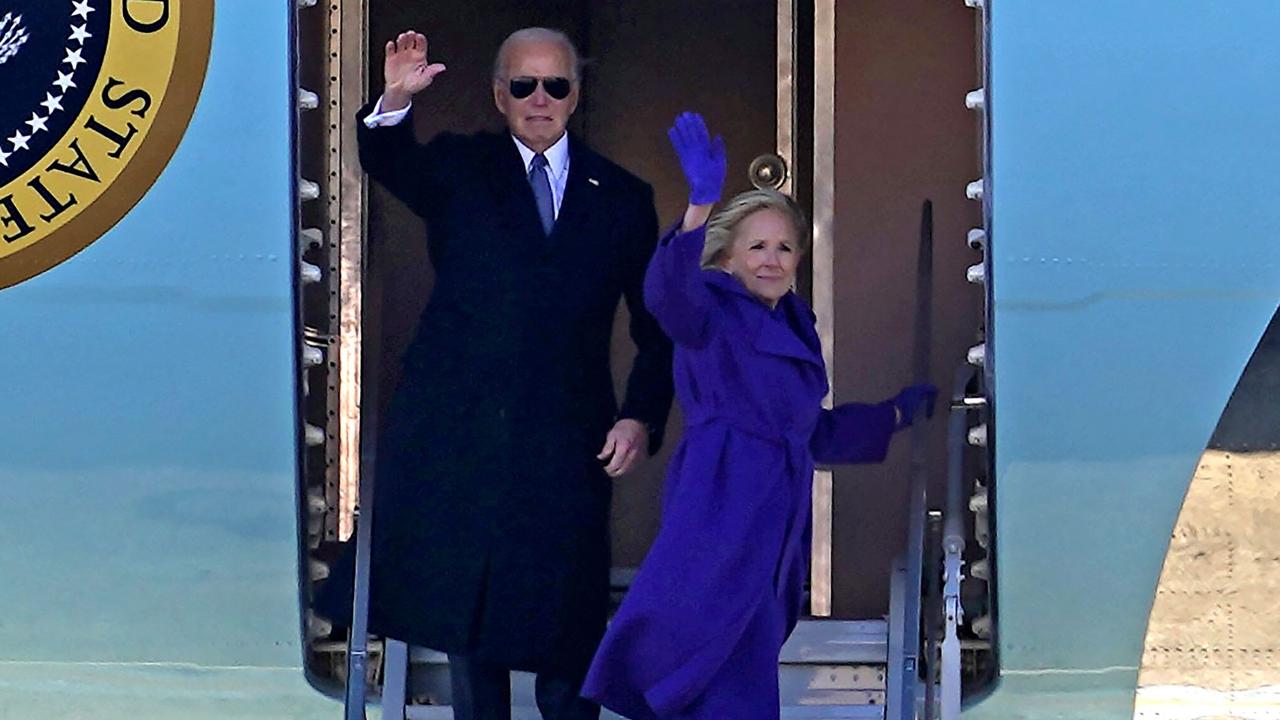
{"x": 377, "y": 118}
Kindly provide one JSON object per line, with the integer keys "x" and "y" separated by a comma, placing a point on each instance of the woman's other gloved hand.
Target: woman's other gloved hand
{"x": 911, "y": 399}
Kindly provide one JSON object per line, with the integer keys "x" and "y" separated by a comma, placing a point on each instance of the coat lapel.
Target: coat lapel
{"x": 805, "y": 323}
{"x": 512, "y": 197}
{"x": 781, "y": 336}
{"x": 580, "y": 193}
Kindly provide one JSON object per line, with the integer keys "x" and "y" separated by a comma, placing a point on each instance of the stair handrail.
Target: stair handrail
{"x": 953, "y": 544}
{"x": 908, "y": 571}
{"x": 358, "y": 644}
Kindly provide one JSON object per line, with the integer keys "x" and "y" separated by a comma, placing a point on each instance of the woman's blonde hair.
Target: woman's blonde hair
{"x": 724, "y": 223}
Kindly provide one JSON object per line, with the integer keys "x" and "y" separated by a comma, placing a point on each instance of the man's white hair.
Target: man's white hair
{"x": 535, "y": 35}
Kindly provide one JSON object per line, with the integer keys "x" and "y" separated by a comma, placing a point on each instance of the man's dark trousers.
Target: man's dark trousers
{"x": 483, "y": 692}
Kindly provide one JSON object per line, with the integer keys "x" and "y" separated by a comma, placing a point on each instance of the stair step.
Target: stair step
{"x": 829, "y": 665}
{"x": 837, "y": 642}
{"x": 826, "y": 642}
{"x": 444, "y": 712}
{"x": 802, "y": 685}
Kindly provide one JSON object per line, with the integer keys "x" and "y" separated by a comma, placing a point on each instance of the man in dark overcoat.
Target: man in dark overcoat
{"x": 492, "y": 489}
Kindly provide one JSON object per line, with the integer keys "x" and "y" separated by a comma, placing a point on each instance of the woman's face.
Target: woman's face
{"x": 764, "y": 255}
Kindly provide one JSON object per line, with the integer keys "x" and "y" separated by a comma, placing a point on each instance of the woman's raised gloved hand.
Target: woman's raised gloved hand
{"x": 701, "y": 158}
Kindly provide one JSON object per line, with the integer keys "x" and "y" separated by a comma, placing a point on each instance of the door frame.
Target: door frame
{"x": 823, "y": 287}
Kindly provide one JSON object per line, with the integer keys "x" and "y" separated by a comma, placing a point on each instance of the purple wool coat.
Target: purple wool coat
{"x": 699, "y": 633}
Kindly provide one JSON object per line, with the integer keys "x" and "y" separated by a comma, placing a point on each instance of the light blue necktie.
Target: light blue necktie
{"x": 541, "y": 185}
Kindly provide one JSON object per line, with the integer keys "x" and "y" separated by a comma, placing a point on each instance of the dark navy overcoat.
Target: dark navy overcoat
{"x": 491, "y": 517}
{"x": 699, "y": 632}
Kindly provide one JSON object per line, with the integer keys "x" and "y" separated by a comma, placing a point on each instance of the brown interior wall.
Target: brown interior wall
{"x": 719, "y": 60}
{"x": 902, "y": 135}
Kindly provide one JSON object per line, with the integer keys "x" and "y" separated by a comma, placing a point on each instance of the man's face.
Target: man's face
{"x": 539, "y": 119}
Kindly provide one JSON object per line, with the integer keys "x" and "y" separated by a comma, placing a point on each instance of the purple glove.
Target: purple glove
{"x": 701, "y": 158}
{"x": 912, "y": 399}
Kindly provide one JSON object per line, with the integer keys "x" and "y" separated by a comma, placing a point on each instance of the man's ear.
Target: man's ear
{"x": 576, "y": 95}
{"x": 499, "y": 97}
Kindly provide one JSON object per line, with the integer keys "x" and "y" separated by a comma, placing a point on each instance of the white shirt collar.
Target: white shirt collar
{"x": 557, "y": 156}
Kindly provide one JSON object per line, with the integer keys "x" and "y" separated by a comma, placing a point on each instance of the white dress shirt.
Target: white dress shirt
{"x": 557, "y": 155}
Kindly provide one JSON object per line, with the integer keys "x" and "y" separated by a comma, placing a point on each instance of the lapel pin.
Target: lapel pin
{"x": 594, "y": 181}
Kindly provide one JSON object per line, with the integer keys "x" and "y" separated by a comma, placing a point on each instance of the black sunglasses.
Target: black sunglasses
{"x": 556, "y": 87}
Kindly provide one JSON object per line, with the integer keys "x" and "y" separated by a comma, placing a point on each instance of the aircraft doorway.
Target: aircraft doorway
{"x": 892, "y": 132}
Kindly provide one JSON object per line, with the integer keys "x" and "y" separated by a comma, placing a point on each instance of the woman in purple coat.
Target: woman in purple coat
{"x": 700, "y": 631}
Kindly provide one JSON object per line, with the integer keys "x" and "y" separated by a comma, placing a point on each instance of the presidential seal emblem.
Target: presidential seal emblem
{"x": 97, "y": 94}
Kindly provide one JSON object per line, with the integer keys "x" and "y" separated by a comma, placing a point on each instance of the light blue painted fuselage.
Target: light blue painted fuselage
{"x": 148, "y": 461}
{"x": 1135, "y": 256}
